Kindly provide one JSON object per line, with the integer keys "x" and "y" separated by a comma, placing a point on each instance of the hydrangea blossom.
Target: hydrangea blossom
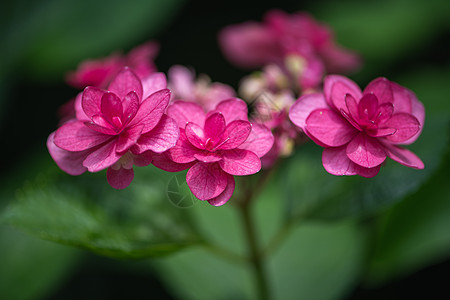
{"x": 272, "y": 110}
{"x": 116, "y": 128}
{"x": 185, "y": 86}
{"x": 100, "y": 72}
{"x": 303, "y": 48}
{"x": 359, "y": 129}
{"x": 215, "y": 146}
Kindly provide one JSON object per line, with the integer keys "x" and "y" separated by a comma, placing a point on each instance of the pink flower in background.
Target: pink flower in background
{"x": 360, "y": 129}
{"x": 184, "y": 86}
{"x": 300, "y": 33}
{"x": 302, "y": 47}
{"x": 100, "y": 72}
{"x": 215, "y": 146}
{"x": 116, "y": 129}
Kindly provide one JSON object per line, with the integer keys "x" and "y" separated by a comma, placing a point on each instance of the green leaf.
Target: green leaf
{"x": 313, "y": 256}
{"x": 414, "y": 233}
{"x": 32, "y": 268}
{"x": 85, "y": 211}
{"x": 318, "y": 261}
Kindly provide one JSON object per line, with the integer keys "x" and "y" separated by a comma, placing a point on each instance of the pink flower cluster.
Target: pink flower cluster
{"x": 125, "y": 116}
{"x": 215, "y": 146}
{"x": 359, "y": 129}
{"x": 298, "y": 44}
{"x": 116, "y": 128}
{"x": 131, "y": 123}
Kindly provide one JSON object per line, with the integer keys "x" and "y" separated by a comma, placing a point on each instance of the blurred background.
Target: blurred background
{"x": 404, "y": 252}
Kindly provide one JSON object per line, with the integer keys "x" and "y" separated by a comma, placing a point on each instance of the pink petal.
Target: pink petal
{"x": 352, "y": 106}
{"x": 100, "y": 125}
{"x": 368, "y": 107}
{"x": 352, "y": 116}
{"x": 311, "y": 76}
{"x": 153, "y": 83}
{"x": 304, "y": 106}
{"x": 336, "y": 162}
{"x": 143, "y": 159}
{"x": 79, "y": 112}
{"x": 163, "y": 162}
{"x": 206, "y": 181}
{"x": 407, "y": 126}
{"x": 233, "y": 109}
{"x": 406, "y": 101}
{"x": 195, "y": 135}
{"x": 237, "y": 133}
{"x": 381, "y": 132}
{"x": 161, "y": 138}
{"x": 91, "y": 100}
{"x": 75, "y": 136}
{"x": 119, "y": 179}
{"x": 249, "y": 45}
{"x": 367, "y": 172}
{"x": 404, "y": 156}
{"x": 336, "y": 87}
{"x": 183, "y": 151}
{"x": 366, "y": 151}
{"x": 240, "y": 162}
{"x": 380, "y": 87}
{"x": 402, "y": 98}
{"x": 69, "y": 162}
{"x": 130, "y": 106}
{"x": 128, "y": 138}
{"x": 385, "y": 111}
{"x": 126, "y": 81}
{"x": 215, "y": 126}
{"x": 259, "y": 141}
{"x": 340, "y": 60}
{"x": 112, "y": 109}
{"x": 102, "y": 158}
{"x": 208, "y": 157}
{"x": 181, "y": 82}
{"x": 183, "y": 112}
{"x": 151, "y": 110}
{"x": 329, "y": 128}
{"x": 225, "y": 195}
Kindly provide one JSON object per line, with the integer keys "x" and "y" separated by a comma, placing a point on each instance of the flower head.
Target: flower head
{"x": 303, "y": 48}
{"x": 215, "y": 146}
{"x": 359, "y": 129}
{"x": 116, "y": 128}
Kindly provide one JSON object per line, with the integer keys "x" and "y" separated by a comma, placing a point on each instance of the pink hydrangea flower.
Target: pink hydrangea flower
{"x": 302, "y": 47}
{"x": 215, "y": 146}
{"x": 359, "y": 129}
{"x": 184, "y": 86}
{"x": 100, "y": 72}
{"x": 253, "y": 44}
{"x": 116, "y": 129}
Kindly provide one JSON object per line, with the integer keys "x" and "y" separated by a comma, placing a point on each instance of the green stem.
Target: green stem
{"x": 254, "y": 253}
